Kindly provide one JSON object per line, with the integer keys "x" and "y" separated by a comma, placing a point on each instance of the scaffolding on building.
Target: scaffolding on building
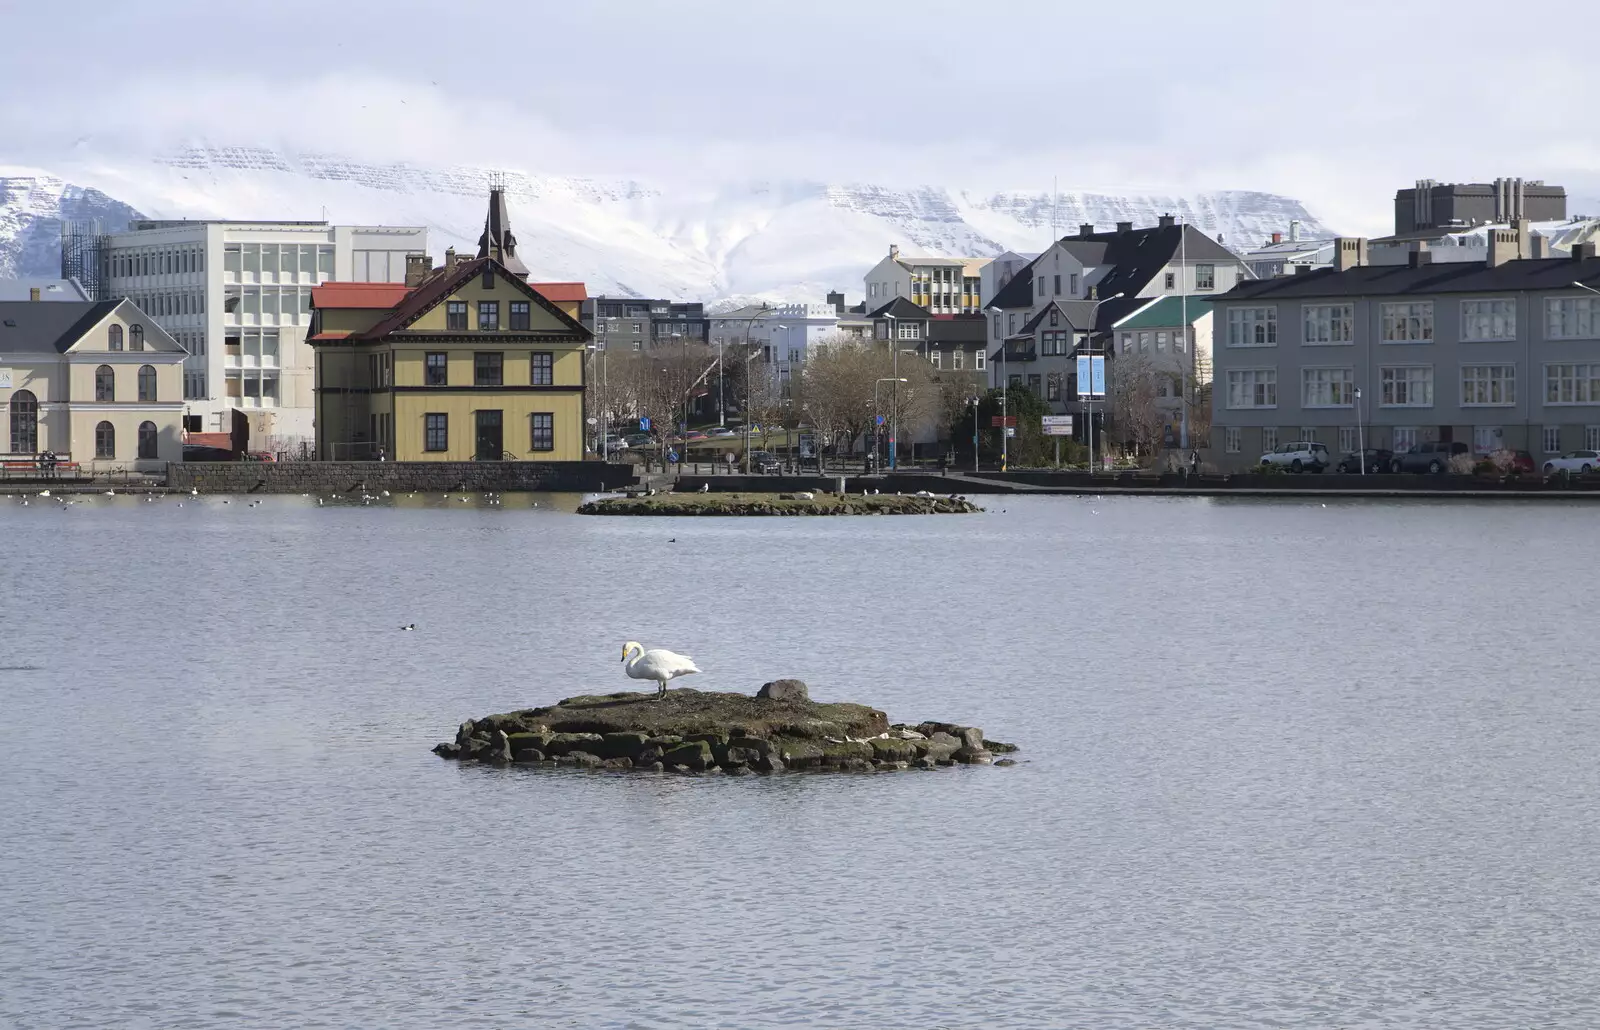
{"x": 82, "y": 244}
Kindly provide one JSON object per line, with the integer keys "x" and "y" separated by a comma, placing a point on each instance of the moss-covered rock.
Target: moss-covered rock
{"x": 891, "y": 750}
{"x": 564, "y": 743}
{"x": 693, "y": 754}
{"x": 621, "y": 744}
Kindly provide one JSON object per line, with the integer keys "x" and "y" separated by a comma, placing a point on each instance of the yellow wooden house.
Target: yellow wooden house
{"x": 470, "y": 364}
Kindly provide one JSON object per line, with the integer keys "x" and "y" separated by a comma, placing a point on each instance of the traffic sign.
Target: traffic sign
{"x": 880, "y": 420}
{"x": 644, "y": 425}
{"x": 1009, "y": 421}
{"x": 1055, "y": 420}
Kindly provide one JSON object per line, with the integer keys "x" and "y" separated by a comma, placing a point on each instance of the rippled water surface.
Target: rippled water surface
{"x": 1285, "y": 765}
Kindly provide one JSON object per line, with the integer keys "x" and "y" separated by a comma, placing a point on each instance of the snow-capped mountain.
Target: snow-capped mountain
{"x": 771, "y": 240}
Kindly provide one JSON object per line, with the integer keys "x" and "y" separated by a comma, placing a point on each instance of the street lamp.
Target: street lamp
{"x": 605, "y": 399}
{"x": 894, "y": 398}
{"x": 760, "y": 312}
{"x": 887, "y": 379}
{"x": 1005, "y": 388}
{"x": 1580, "y": 286}
{"x": 1361, "y": 436}
{"x": 1088, "y": 417}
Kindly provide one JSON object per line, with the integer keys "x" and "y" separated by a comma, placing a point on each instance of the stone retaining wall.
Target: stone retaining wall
{"x": 298, "y": 477}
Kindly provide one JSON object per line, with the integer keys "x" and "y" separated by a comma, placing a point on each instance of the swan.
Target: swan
{"x": 657, "y": 665}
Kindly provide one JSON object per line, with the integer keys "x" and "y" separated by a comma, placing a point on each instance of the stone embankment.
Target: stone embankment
{"x": 800, "y": 503}
{"x": 693, "y": 733}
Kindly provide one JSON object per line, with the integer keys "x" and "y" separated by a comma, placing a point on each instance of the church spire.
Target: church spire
{"x": 497, "y": 241}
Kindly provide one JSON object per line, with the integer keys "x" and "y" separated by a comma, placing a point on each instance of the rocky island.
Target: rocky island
{"x": 803, "y": 502}
{"x": 692, "y": 732}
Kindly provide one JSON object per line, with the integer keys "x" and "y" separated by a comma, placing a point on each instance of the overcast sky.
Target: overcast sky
{"x": 1336, "y": 103}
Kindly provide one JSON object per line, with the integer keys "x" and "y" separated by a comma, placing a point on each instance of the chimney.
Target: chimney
{"x": 449, "y": 258}
{"x": 1302, "y": 269}
{"x": 1582, "y": 251}
{"x": 417, "y": 268}
{"x": 1538, "y": 247}
{"x": 1166, "y": 221}
{"x": 1349, "y": 252}
{"x": 1420, "y": 256}
{"x": 1085, "y": 230}
{"x": 836, "y": 301}
{"x": 33, "y": 293}
{"x": 894, "y": 251}
{"x": 1502, "y": 246}
{"x": 1124, "y": 227}
{"x": 1523, "y": 228}
{"x": 1277, "y": 237}
{"x": 1294, "y": 231}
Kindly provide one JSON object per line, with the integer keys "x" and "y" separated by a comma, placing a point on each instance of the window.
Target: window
{"x": 136, "y": 337}
{"x": 487, "y": 368}
{"x": 544, "y": 431}
{"x": 24, "y": 423}
{"x": 147, "y": 384}
{"x": 1011, "y": 322}
{"x": 520, "y": 318}
{"x": 455, "y": 315}
{"x": 1205, "y": 277}
{"x": 1308, "y": 434}
{"x": 488, "y": 315}
{"x": 1179, "y": 340}
{"x": 1055, "y": 317}
{"x": 1253, "y": 327}
{"x": 1073, "y": 284}
{"x": 1230, "y": 434}
{"x": 958, "y": 359}
{"x": 1014, "y": 381}
{"x": 1172, "y": 282}
{"x": 1487, "y": 439}
{"x": 1052, "y": 386}
{"x": 114, "y": 338}
{"x": 436, "y": 432}
{"x": 1348, "y": 439}
{"x": 1327, "y": 388}
{"x": 147, "y": 440}
{"x": 105, "y": 384}
{"x": 934, "y": 356}
{"x": 1405, "y": 438}
{"x": 1488, "y": 320}
{"x": 1252, "y": 388}
{"x": 1552, "y": 439}
{"x": 979, "y": 359}
{"x": 997, "y": 325}
{"x": 910, "y": 330}
{"x": 1127, "y": 343}
{"x": 1058, "y": 284}
{"x": 1572, "y": 384}
{"x": 1405, "y": 386}
{"x": 1036, "y": 385}
{"x": 1572, "y": 318}
{"x": 105, "y": 441}
{"x": 1144, "y": 342}
{"x": 1052, "y": 344}
{"x": 1038, "y": 287}
{"x": 1408, "y": 323}
{"x": 636, "y": 328}
{"x": 1161, "y": 342}
{"x": 1269, "y": 439}
{"x": 543, "y": 368}
{"x": 1488, "y": 385}
{"x": 1591, "y": 438}
{"x": 1329, "y": 324}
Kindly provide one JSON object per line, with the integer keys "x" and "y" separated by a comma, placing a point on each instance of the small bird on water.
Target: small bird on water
{"x": 409, "y": 628}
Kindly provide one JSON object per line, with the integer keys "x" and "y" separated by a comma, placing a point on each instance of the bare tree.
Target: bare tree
{"x": 843, "y": 389}
{"x": 1137, "y": 388}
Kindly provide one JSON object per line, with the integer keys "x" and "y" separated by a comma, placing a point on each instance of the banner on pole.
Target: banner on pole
{"x": 1091, "y": 375}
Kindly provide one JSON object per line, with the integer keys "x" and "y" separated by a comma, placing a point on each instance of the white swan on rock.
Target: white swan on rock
{"x": 657, "y": 664}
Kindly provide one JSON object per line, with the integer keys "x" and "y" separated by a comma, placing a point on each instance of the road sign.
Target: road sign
{"x": 880, "y": 420}
{"x": 1011, "y": 431}
{"x": 644, "y": 425}
{"x": 1055, "y": 420}
{"x": 1008, "y": 421}
{"x": 1059, "y": 430}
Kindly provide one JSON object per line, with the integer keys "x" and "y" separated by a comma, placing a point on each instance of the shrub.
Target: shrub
{"x": 1462, "y": 464}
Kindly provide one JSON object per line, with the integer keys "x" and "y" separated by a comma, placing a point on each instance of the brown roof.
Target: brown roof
{"x": 373, "y": 296}
{"x": 433, "y": 292}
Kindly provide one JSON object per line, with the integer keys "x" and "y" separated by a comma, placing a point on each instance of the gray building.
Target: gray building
{"x": 1434, "y": 205}
{"x": 1497, "y": 354}
{"x": 635, "y": 323}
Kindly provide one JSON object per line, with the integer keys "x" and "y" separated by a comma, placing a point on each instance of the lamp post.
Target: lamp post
{"x": 887, "y": 379}
{"x": 760, "y": 312}
{"x": 1580, "y": 286}
{"x": 975, "y": 399}
{"x": 1361, "y": 436}
{"x": 894, "y": 398}
{"x": 1005, "y": 388}
{"x": 1088, "y": 416}
{"x": 605, "y": 398}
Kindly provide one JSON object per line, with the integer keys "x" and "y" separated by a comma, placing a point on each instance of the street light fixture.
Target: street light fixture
{"x": 1088, "y": 415}
{"x": 1580, "y": 286}
{"x": 887, "y": 379}
{"x": 894, "y": 398}
{"x": 1005, "y": 388}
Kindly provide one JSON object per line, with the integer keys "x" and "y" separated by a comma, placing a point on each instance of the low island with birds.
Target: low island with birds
{"x": 798, "y": 502}
{"x": 691, "y": 732}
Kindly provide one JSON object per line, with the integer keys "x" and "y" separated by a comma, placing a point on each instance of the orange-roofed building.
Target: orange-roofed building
{"x": 569, "y": 297}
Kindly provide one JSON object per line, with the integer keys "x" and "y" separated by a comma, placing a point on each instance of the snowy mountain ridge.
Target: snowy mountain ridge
{"x": 775, "y": 240}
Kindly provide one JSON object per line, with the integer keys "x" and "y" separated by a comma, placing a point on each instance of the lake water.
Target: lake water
{"x": 1284, "y": 765}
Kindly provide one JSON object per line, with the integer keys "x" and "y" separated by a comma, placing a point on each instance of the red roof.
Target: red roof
{"x": 331, "y": 334}
{"x": 560, "y": 292}
{"x": 379, "y": 296}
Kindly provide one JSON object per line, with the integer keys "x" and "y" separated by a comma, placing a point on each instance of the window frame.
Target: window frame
{"x": 1253, "y": 384}
{"x": 435, "y": 436}
{"x": 1589, "y": 378}
{"x": 1348, "y": 383}
{"x": 105, "y": 441}
{"x": 549, "y": 430}
{"x": 114, "y": 337}
{"x": 105, "y": 385}
{"x": 1589, "y": 304}
{"x": 1510, "y": 317}
{"x": 491, "y": 308}
{"x": 542, "y": 361}
{"x": 429, "y": 367}
{"x": 1391, "y": 316}
{"x": 1388, "y": 381}
{"x": 1209, "y": 282}
{"x": 519, "y": 316}
{"x": 148, "y": 434}
{"x": 1252, "y": 322}
{"x": 1232, "y": 440}
{"x": 1337, "y": 316}
{"x": 148, "y": 396}
{"x": 455, "y": 316}
{"x": 1488, "y": 384}
{"x": 482, "y": 362}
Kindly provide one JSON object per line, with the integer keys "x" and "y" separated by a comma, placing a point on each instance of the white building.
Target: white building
{"x": 237, "y": 296}
{"x": 1001, "y": 269}
{"x": 942, "y": 285}
{"x": 782, "y": 334}
{"x": 1462, "y": 243}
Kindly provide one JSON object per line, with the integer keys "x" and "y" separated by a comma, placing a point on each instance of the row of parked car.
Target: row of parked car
{"x": 1433, "y": 457}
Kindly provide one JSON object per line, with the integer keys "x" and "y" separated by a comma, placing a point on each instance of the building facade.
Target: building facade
{"x": 99, "y": 383}
{"x": 942, "y": 285}
{"x": 1498, "y": 354}
{"x": 470, "y": 364}
{"x": 237, "y": 297}
{"x": 43, "y": 289}
{"x": 637, "y": 323}
{"x": 1433, "y": 205}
